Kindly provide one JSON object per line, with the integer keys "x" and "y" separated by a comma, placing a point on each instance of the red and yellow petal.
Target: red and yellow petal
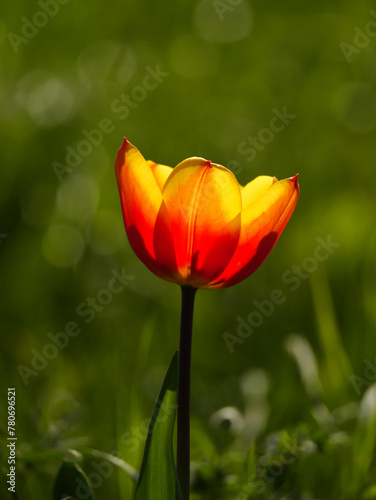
{"x": 141, "y": 201}
{"x": 263, "y": 221}
{"x": 203, "y": 202}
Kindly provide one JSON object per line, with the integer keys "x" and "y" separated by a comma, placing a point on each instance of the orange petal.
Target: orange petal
{"x": 141, "y": 200}
{"x": 203, "y": 202}
{"x": 263, "y": 221}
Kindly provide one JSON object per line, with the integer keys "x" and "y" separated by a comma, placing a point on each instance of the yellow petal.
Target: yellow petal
{"x": 160, "y": 172}
{"x": 254, "y": 189}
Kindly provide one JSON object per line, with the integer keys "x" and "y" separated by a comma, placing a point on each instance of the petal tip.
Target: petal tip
{"x": 294, "y": 180}
{"x": 120, "y": 158}
{"x": 296, "y": 185}
{"x": 125, "y": 144}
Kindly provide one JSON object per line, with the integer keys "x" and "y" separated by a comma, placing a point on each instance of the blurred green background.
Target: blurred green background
{"x": 299, "y": 417}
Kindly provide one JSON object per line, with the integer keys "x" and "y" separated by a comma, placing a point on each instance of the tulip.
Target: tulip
{"x": 195, "y": 224}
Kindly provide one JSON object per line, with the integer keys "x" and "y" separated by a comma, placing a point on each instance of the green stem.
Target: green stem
{"x": 184, "y": 390}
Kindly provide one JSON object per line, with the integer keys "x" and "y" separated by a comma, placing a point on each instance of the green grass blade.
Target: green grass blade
{"x": 364, "y": 441}
{"x": 158, "y": 478}
{"x": 71, "y": 482}
{"x": 336, "y": 370}
{"x": 112, "y": 459}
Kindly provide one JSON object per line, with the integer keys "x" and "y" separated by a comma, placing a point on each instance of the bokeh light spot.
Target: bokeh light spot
{"x": 106, "y": 60}
{"x": 77, "y": 197}
{"x": 223, "y": 22}
{"x": 50, "y": 103}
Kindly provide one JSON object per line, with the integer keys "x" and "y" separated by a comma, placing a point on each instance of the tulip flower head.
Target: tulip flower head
{"x": 194, "y": 224}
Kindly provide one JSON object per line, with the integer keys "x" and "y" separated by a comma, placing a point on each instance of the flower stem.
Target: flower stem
{"x": 184, "y": 390}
